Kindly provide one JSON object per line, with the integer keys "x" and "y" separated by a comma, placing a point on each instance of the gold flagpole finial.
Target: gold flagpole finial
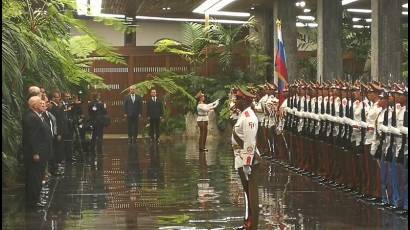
{"x": 278, "y": 22}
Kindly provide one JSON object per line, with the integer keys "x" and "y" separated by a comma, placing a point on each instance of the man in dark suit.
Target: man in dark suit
{"x": 97, "y": 111}
{"x": 37, "y": 147}
{"x": 132, "y": 111}
{"x": 155, "y": 110}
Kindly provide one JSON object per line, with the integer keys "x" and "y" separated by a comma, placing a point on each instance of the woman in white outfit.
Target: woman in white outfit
{"x": 202, "y": 120}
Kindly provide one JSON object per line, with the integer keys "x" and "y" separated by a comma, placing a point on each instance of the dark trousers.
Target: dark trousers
{"x": 34, "y": 177}
{"x": 250, "y": 188}
{"x": 203, "y": 132}
{"x": 154, "y": 128}
{"x": 97, "y": 136}
{"x": 132, "y": 127}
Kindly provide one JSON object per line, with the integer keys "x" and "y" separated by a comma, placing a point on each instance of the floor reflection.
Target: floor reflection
{"x": 172, "y": 186}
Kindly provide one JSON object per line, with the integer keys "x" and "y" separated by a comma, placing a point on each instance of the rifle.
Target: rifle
{"x": 296, "y": 118}
{"x": 322, "y": 111}
{"x": 389, "y": 155}
{"x": 309, "y": 119}
{"x": 341, "y": 115}
{"x": 400, "y": 157}
{"x": 379, "y": 150}
{"x": 290, "y": 105}
{"x": 305, "y": 109}
{"x": 316, "y": 112}
{"x": 363, "y": 118}
{"x": 350, "y": 115}
{"x": 332, "y": 113}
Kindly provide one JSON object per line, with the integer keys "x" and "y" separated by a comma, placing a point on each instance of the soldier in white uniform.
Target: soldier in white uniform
{"x": 247, "y": 156}
{"x": 202, "y": 119}
{"x": 401, "y": 143}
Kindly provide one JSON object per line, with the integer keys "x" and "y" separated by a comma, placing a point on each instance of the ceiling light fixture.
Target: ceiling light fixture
{"x": 405, "y": 12}
{"x": 306, "y": 17}
{"x": 368, "y": 20}
{"x": 213, "y": 7}
{"x": 312, "y": 25}
{"x": 299, "y": 24}
{"x": 233, "y": 14}
{"x": 219, "y": 5}
{"x": 356, "y": 19}
{"x": 366, "y": 11}
{"x": 190, "y": 20}
{"x": 345, "y": 2}
{"x": 405, "y": 5}
{"x": 360, "y": 26}
{"x": 307, "y": 10}
{"x": 301, "y": 4}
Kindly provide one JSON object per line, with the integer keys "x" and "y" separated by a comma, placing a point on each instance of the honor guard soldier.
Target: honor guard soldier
{"x": 246, "y": 155}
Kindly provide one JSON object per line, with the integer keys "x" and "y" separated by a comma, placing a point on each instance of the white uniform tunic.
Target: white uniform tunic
{"x": 203, "y": 110}
{"x": 246, "y": 128}
{"x": 400, "y": 130}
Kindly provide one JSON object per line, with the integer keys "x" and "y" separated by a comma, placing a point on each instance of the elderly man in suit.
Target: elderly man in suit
{"x": 37, "y": 147}
{"x": 132, "y": 111}
{"x": 155, "y": 111}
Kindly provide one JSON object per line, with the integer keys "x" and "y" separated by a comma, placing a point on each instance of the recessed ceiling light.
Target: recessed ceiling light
{"x": 301, "y": 4}
{"x": 356, "y": 19}
{"x": 368, "y": 20}
{"x": 360, "y": 26}
{"x": 345, "y": 2}
{"x": 306, "y": 17}
{"x": 406, "y": 5}
{"x": 168, "y": 8}
{"x": 252, "y": 8}
{"x": 405, "y": 12}
{"x": 299, "y": 24}
{"x": 312, "y": 25}
{"x": 360, "y": 11}
{"x": 163, "y": 8}
{"x": 307, "y": 10}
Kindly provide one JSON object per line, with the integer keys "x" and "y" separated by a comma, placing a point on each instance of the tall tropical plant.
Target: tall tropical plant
{"x": 192, "y": 48}
{"x": 228, "y": 39}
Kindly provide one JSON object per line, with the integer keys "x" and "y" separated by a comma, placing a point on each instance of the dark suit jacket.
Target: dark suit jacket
{"x": 155, "y": 109}
{"x": 58, "y": 112}
{"x": 133, "y": 109}
{"x": 97, "y": 116}
{"x": 37, "y": 138}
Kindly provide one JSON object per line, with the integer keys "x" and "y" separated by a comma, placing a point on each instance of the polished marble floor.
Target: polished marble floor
{"x": 173, "y": 186}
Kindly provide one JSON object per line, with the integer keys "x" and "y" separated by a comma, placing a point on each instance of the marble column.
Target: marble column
{"x": 264, "y": 34}
{"x": 329, "y": 50}
{"x": 386, "y": 43}
{"x": 285, "y": 10}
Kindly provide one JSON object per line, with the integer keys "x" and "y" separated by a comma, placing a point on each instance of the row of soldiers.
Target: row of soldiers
{"x": 349, "y": 136}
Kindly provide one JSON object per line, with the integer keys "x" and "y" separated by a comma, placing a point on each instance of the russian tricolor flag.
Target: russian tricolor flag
{"x": 280, "y": 64}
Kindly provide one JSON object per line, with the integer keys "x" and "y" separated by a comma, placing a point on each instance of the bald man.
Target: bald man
{"x": 132, "y": 111}
{"x": 37, "y": 147}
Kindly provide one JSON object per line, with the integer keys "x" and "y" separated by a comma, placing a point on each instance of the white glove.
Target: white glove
{"x": 404, "y": 130}
{"x": 364, "y": 124}
{"x": 394, "y": 130}
{"x": 384, "y": 129}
